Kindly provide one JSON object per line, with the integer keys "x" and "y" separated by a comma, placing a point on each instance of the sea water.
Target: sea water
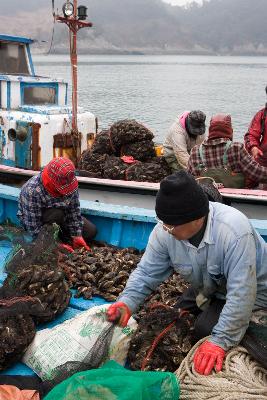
{"x": 155, "y": 89}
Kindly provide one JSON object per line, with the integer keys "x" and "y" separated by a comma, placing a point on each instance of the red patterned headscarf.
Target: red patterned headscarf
{"x": 59, "y": 178}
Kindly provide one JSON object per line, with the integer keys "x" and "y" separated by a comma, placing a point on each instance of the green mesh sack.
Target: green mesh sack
{"x": 113, "y": 382}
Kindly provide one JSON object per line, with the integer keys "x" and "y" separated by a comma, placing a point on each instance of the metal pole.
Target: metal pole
{"x": 74, "y": 24}
{"x": 74, "y": 61}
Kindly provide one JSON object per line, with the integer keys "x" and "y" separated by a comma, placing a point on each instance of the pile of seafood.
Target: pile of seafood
{"x": 103, "y": 272}
{"x": 152, "y": 171}
{"x": 162, "y": 340}
{"x": 128, "y": 131}
{"x": 16, "y": 334}
{"x": 33, "y": 271}
{"x": 125, "y": 139}
{"x": 167, "y": 293}
{"x": 17, "y": 329}
{"x": 44, "y": 282}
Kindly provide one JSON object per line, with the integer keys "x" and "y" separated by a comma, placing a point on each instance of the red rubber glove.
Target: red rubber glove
{"x": 207, "y": 356}
{"x": 66, "y": 247}
{"x": 78, "y": 242}
{"x": 119, "y": 313}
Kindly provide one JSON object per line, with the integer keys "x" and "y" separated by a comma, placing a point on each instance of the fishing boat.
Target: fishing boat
{"x": 35, "y": 121}
{"x": 36, "y": 125}
{"x": 117, "y": 225}
{"x": 120, "y": 226}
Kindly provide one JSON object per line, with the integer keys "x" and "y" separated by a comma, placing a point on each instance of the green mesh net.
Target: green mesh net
{"x": 113, "y": 382}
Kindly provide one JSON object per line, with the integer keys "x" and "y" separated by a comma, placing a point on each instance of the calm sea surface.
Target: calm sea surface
{"x": 154, "y": 89}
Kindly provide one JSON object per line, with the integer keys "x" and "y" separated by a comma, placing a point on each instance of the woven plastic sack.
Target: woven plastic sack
{"x": 80, "y": 343}
{"x": 113, "y": 382}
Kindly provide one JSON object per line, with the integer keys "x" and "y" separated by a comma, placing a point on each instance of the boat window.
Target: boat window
{"x": 39, "y": 95}
{"x": 13, "y": 59}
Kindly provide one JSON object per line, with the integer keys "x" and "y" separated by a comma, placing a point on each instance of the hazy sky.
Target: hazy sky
{"x": 181, "y": 2}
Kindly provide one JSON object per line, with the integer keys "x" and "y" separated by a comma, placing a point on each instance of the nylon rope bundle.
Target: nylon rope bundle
{"x": 242, "y": 378}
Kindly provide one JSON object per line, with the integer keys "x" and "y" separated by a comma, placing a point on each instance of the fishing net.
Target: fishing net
{"x": 141, "y": 151}
{"x": 255, "y": 339}
{"x": 145, "y": 172}
{"x": 162, "y": 339}
{"x": 128, "y": 131}
{"x": 102, "y": 143}
{"x": 17, "y": 328}
{"x": 163, "y": 163}
{"x": 114, "y": 168}
{"x": 210, "y": 188}
{"x": 81, "y": 343}
{"x": 93, "y": 359}
{"x": 32, "y": 270}
{"x": 92, "y": 162}
{"x": 103, "y": 272}
{"x": 113, "y": 382}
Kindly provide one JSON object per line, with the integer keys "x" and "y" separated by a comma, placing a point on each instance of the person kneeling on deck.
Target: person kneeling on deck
{"x": 187, "y": 131}
{"x": 52, "y": 197}
{"x": 225, "y": 161}
{"x": 214, "y": 248}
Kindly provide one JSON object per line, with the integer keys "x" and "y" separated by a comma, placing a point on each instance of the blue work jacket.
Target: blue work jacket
{"x": 230, "y": 263}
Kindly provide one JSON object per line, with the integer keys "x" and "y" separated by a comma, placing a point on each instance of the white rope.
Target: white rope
{"x": 242, "y": 378}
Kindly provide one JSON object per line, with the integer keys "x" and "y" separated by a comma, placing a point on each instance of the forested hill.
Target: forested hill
{"x": 147, "y": 26}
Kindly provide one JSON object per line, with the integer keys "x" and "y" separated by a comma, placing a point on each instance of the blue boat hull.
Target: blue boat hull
{"x": 117, "y": 225}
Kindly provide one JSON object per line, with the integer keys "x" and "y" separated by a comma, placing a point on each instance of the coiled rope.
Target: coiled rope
{"x": 242, "y": 378}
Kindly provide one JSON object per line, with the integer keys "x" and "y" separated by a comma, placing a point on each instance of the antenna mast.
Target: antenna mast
{"x": 74, "y": 17}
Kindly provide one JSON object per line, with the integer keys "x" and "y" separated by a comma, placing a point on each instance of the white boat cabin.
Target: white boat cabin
{"x": 35, "y": 121}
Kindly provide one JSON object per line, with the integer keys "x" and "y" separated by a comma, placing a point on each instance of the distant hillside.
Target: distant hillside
{"x": 147, "y": 26}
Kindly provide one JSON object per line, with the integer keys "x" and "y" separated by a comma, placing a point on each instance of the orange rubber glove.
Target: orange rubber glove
{"x": 208, "y": 356}
{"x": 119, "y": 313}
{"x": 78, "y": 242}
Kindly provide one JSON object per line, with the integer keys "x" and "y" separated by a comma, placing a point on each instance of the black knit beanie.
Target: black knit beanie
{"x": 180, "y": 199}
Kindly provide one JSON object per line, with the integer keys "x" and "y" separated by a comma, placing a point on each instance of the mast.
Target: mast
{"x": 74, "y": 17}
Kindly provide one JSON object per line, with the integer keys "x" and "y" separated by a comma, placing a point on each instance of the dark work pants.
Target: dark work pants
{"x": 254, "y": 340}
{"x": 205, "y": 320}
{"x": 57, "y": 215}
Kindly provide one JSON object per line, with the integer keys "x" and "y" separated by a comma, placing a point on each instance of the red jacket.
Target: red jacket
{"x": 253, "y": 136}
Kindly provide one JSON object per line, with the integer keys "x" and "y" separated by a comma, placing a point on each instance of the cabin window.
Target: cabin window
{"x": 39, "y": 95}
{"x": 13, "y": 59}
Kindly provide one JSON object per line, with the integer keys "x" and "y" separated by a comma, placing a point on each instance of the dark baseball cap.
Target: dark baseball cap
{"x": 196, "y": 122}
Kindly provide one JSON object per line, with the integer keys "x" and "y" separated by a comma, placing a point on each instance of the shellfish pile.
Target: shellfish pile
{"x": 161, "y": 341}
{"x": 17, "y": 328}
{"x": 103, "y": 272}
{"x": 32, "y": 271}
{"x": 16, "y": 333}
{"x": 153, "y": 171}
{"x": 128, "y": 131}
{"x": 124, "y": 138}
{"x": 167, "y": 293}
{"x": 44, "y": 282}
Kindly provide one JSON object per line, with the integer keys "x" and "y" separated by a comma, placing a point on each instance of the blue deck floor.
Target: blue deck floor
{"x": 75, "y": 307}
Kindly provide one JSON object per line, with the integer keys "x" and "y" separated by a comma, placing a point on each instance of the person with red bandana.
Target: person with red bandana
{"x": 52, "y": 197}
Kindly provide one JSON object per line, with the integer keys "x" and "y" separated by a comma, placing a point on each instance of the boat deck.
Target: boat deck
{"x": 75, "y": 307}
{"x": 117, "y": 225}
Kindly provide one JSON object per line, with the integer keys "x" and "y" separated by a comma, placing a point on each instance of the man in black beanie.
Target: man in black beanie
{"x": 214, "y": 248}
